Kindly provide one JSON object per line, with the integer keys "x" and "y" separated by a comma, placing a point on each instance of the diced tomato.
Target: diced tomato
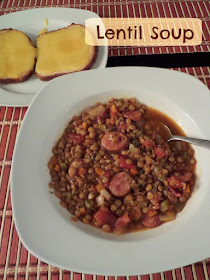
{"x": 123, "y": 126}
{"x": 133, "y": 115}
{"x": 122, "y": 221}
{"x": 151, "y": 222}
{"x": 176, "y": 194}
{"x": 75, "y": 138}
{"x": 104, "y": 217}
{"x": 159, "y": 152}
{"x": 175, "y": 183}
{"x": 148, "y": 143}
{"x": 123, "y": 163}
{"x": 185, "y": 177}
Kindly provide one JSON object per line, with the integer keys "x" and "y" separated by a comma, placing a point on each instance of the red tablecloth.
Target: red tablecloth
{"x": 15, "y": 261}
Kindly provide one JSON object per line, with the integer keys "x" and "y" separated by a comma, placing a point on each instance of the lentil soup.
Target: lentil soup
{"x": 113, "y": 168}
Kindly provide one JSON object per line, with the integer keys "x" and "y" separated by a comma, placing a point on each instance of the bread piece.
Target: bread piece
{"x": 63, "y": 51}
{"x": 17, "y": 56}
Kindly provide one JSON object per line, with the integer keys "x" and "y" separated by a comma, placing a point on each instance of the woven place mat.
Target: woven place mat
{"x": 15, "y": 261}
{"x": 131, "y": 8}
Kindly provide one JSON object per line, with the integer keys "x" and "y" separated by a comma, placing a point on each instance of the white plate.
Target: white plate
{"x": 32, "y": 22}
{"x": 45, "y": 227}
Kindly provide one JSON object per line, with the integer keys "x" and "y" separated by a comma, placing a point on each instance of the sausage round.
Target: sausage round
{"x": 120, "y": 184}
{"x": 114, "y": 141}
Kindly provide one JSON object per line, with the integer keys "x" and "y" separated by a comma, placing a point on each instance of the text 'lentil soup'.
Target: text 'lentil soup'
{"x": 112, "y": 167}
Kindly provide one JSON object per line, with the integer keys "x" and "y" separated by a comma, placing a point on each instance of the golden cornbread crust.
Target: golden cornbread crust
{"x": 26, "y": 75}
{"x": 86, "y": 67}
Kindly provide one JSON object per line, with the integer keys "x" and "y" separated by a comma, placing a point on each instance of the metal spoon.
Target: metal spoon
{"x": 194, "y": 141}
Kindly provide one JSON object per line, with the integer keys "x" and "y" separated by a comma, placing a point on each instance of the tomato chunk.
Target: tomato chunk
{"x": 105, "y": 217}
{"x": 123, "y": 163}
{"x": 133, "y": 115}
{"x": 151, "y": 222}
{"x": 149, "y": 143}
{"x": 75, "y": 138}
{"x": 175, "y": 183}
{"x": 160, "y": 152}
{"x": 123, "y": 126}
{"x": 122, "y": 221}
{"x": 176, "y": 194}
{"x": 185, "y": 177}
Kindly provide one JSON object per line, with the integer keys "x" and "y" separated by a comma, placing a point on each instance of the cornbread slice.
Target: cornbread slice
{"x": 17, "y": 56}
{"x": 63, "y": 51}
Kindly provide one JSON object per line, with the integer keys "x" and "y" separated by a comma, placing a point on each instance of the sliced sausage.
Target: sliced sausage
{"x": 114, "y": 141}
{"x": 120, "y": 184}
{"x": 105, "y": 217}
{"x": 133, "y": 115}
{"x": 75, "y": 138}
{"x": 151, "y": 222}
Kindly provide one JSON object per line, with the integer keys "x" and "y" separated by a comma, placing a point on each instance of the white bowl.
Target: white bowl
{"x": 46, "y": 229}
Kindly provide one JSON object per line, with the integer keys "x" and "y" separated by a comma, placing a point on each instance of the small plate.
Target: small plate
{"x": 45, "y": 228}
{"x": 32, "y": 22}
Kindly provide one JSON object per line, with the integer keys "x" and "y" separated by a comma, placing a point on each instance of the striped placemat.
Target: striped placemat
{"x": 15, "y": 261}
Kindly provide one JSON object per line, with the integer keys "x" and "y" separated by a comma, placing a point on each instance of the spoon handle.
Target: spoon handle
{"x": 195, "y": 141}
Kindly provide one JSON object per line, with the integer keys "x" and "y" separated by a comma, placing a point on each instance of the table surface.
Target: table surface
{"x": 15, "y": 261}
